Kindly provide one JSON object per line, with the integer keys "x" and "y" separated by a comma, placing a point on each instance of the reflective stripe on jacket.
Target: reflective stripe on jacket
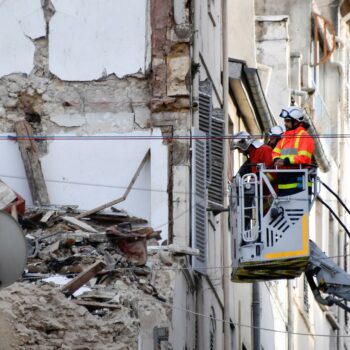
{"x": 298, "y": 146}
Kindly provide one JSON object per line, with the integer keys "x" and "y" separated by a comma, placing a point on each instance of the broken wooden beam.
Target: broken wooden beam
{"x": 180, "y": 250}
{"x": 73, "y": 285}
{"x": 117, "y": 219}
{"x": 47, "y": 216}
{"x": 75, "y": 222}
{"x": 124, "y": 196}
{"x": 96, "y": 305}
{"x": 32, "y": 165}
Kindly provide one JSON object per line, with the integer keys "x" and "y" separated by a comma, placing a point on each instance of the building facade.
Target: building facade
{"x": 101, "y": 83}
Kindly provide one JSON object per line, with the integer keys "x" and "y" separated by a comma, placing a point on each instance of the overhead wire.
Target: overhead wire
{"x": 61, "y": 137}
{"x": 238, "y": 324}
{"x": 218, "y": 319}
{"x": 283, "y": 317}
{"x": 130, "y": 137}
{"x": 191, "y": 268}
{"x": 41, "y": 138}
{"x": 141, "y": 189}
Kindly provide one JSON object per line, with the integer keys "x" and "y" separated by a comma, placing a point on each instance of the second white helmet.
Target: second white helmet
{"x": 276, "y": 131}
{"x": 242, "y": 140}
{"x": 293, "y": 112}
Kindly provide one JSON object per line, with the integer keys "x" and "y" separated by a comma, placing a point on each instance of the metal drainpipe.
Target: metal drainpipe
{"x": 195, "y": 61}
{"x": 290, "y": 316}
{"x": 320, "y": 155}
{"x": 256, "y": 316}
{"x": 341, "y": 174}
{"x": 224, "y": 219}
{"x": 300, "y": 93}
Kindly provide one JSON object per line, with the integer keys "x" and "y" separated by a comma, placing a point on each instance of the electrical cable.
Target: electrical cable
{"x": 237, "y": 324}
{"x": 150, "y": 137}
{"x": 79, "y": 183}
{"x": 190, "y": 268}
{"x": 334, "y": 215}
{"x": 283, "y": 317}
{"x": 156, "y": 190}
{"x": 335, "y": 195}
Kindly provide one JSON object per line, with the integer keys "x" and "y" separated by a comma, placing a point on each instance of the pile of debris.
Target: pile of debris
{"x": 61, "y": 243}
{"x": 89, "y": 283}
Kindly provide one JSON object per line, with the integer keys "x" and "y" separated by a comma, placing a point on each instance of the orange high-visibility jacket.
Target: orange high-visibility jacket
{"x": 295, "y": 145}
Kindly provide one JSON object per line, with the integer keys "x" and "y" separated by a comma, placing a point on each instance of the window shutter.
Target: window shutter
{"x": 199, "y": 200}
{"x": 205, "y": 111}
{"x": 212, "y": 123}
{"x": 217, "y": 133}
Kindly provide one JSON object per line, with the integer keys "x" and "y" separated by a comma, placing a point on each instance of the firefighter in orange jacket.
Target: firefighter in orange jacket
{"x": 296, "y": 148}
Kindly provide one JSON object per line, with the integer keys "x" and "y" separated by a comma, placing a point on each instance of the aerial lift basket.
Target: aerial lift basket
{"x": 270, "y": 238}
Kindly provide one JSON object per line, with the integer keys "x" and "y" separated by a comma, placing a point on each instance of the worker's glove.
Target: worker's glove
{"x": 286, "y": 161}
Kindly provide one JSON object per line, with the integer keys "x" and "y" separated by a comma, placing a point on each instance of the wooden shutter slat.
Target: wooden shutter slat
{"x": 199, "y": 200}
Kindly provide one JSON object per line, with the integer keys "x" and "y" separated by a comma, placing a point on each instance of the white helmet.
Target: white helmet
{"x": 276, "y": 131}
{"x": 242, "y": 140}
{"x": 293, "y": 112}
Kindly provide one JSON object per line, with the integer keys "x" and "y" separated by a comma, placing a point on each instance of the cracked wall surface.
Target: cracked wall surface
{"x": 21, "y": 22}
{"x": 90, "y": 39}
{"x": 54, "y": 52}
{"x": 106, "y": 67}
{"x": 73, "y": 80}
{"x": 48, "y": 46}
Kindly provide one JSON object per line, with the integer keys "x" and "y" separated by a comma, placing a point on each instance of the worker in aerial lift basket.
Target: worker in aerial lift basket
{"x": 274, "y": 135}
{"x": 256, "y": 153}
{"x": 293, "y": 151}
{"x": 254, "y": 150}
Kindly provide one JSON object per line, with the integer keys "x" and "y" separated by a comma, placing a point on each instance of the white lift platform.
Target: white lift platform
{"x": 270, "y": 235}
{"x": 270, "y": 238}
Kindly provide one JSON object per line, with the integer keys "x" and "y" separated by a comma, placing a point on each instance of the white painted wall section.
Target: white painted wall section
{"x": 12, "y": 170}
{"x": 89, "y": 39}
{"x": 210, "y": 46}
{"x": 240, "y": 27}
{"x": 97, "y": 122}
{"x": 273, "y": 50}
{"x": 94, "y": 170}
{"x": 267, "y": 318}
{"x": 20, "y": 21}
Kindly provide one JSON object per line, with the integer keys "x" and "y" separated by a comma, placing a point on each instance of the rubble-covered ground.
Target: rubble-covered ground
{"x": 109, "y": 311}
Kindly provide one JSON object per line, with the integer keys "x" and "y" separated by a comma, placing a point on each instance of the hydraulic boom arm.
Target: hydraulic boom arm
{"x": 329, "y": 283}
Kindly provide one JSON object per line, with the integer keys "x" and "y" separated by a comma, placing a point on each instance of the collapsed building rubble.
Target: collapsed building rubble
{"x": 89, "y": 284}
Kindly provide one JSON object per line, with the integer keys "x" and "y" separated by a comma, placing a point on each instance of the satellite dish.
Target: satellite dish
{"x": 13, "y": 250}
